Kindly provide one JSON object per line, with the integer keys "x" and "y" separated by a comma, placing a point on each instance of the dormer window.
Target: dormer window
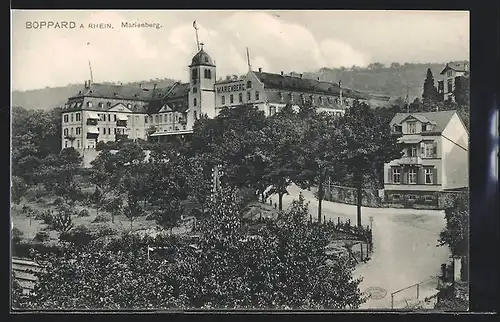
{"x": 89, "y": 104}
{"x": 412, "y": 128}
{"x": 129, "y": 106}
{"x": 398, "y": 128}
{"x": 449, "y": 73}
{"x": 424, "y": 127}
{"x": 280, "y": 95}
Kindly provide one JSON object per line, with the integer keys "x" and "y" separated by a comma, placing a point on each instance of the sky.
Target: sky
{"x": 299, "y": 41}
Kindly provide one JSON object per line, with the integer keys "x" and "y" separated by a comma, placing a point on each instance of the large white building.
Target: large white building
{"x": 105, "y": 112}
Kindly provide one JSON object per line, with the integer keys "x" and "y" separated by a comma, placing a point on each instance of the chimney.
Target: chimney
{"x": 260, "y": 69}
{"x": 301, "y": 75}
{"x": 140, "y": 86}
{"x": 85, "y": 84}
{"x": 281, "y": 73}
{"x": 228, "y": 77}
{"x": 318, "y": 79}
{"x": 154, "y": 86}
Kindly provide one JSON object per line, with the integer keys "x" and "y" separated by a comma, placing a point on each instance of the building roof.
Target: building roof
{"x": 202, "y": 58}
{"x": 176, "y": 97}
{"x": 116, "y": 92}
{"x": 456, "y": 66}
{"x": 440, "y": 119}
{"x": 306, "y": 85}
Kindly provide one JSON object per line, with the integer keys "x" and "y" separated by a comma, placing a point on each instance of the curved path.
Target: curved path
{"x": 405, "y": 245}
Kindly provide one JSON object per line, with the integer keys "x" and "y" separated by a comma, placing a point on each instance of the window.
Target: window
{"x": 429, "y": 150}
{"x": 413, "y": 151}
{"x": 398, "y": 128}
{"x": 424, "y": 127}
{"x": 72, "y": 131}
{"x": 77, "y": 144}
{"x": 109, "y": 131}
{"x": 65, "y": 143}
{"x": 170, "y": 117}
{"x": 195, "y": 115}
{"x": 114, "y": 117}
{"x": 100, "y": 105}
{"x": 72, "y": 117}
{"x": 194, "y": 101}
{"x": 450, "y": 86}
{"x": 240, "y": 97}
{"x": 157, "y": 120}
{"x": 89, "y": 104}
{"x": 412, "y": 176}
{"x": 449, "y": 73}
{"x": 231, "y": 99}
{"x": 65, "y": 132}
{"x": 249, "y": 84}
{"x": 329, "y": 100}
{"x": 109, "y": 117}
{"x": 428, "y": 198}
{"x": 223, "y": 99}
{"x": 195, "y": 89}
{"x": 412, "y": 197}
{"x": 302, "y": 98}
{"x": 396, "y": 197}
{"x": 321, "y": 100}
{"x": 145, "y": 119}
{"x": 272, "y": 110}
{"x": 312, "y": 99}
{"x": 137, "y": 119}
{"x": 78, "y": 130}
{"x": 291, "y": 97}
{"x": 428, "y": 176}
{"x": 108, "y": 104}
{"x": 338, "y": 114}
{"x": 104, "y": 130}
{"x": 249, "y": 96}
{"x": 412, "y": 128}
{"x": 257, "y": 95}
{"x": 151, "y": 119}
{"x": 137, "y": 133}
{"x": 208, "y": 74}
{"x": 280, "y": 95}
{"x": 396, "y": 175}
{"x": 79, "y": 104}
{"x": 194, "y": 74}
{"x": 78, "y": 117}
{"x": 65, "y": 118}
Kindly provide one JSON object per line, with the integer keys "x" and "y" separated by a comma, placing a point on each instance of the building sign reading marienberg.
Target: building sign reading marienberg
{"x": 231, "y": 88}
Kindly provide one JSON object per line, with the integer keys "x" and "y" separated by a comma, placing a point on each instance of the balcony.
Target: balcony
{"x": 410, "y": 161}
{"x": 92, "y": 122}
{"x": 92, "y": 132}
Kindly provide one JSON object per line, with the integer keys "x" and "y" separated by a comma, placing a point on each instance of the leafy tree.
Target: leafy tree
{"x": 131, "y": 209}
{"x": 199, "y": 179}
{"x": 462, "y": 91}
{"x": 62, "y": 220}
{"x": 430, "y": 93}
{"x": 370, "y": 145}
{"x": 322, "y": 149}
{"x": 58, "y": 172}
{"x": 19, "y": 188}
{"x": 285, "y": 134}
{"x": 395, "y": 65}
{"x": 456, "y": 233}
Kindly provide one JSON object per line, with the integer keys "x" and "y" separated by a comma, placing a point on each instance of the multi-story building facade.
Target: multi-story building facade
{"x": 435, "y": 157}
{"x": 446, "y": 83}
{"x": 104, "y": 112}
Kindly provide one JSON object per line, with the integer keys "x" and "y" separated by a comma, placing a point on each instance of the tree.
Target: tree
{"x": 58, "y": 172}
{"x": 456, "y": 233}
{"x": 131, "y": 209}
{"x": 284, "y": 131}
{"x": 19, "y": 188}
{"x": 62, "y": 221}
{"x": 395, "y": 65}
{"x": 462, "y": 91}
{"x": 370, "y": 145}
{"x": 430, "y": 93}
{"x": 322, "y": 149}
{"x": 199, "y": 179}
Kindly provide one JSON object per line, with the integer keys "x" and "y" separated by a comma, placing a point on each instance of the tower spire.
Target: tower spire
{"x": 90, "y": 67}
{"x": 248, "y": 61}
{"x": 196, "y": 32}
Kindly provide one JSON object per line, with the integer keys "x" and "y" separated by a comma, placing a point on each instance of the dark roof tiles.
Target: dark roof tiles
{"x": 440, "y": 119}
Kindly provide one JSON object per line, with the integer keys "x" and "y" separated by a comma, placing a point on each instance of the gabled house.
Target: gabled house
{"x": 434, "y": 157}
{"x": 446, "y": 83}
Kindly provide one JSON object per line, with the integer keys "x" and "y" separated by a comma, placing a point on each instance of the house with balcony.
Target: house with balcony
{"x": 448, "y": 78}
{"x": 434, "y": 158}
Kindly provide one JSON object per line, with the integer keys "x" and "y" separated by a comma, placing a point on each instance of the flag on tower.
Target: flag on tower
{"x": 194, "y": 25}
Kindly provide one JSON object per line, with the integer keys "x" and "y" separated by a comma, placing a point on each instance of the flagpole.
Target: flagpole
{"x": 90, "y": 66}
{"x": 196, "y": 32}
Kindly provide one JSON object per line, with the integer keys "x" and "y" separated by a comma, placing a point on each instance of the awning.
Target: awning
{"x": 93, "y": 130}
{"x": 121, "y": 117}
{"x": 92, "y": 116}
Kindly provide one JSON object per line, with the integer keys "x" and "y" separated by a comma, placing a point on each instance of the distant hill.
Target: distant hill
{"x": 376, "y": 79}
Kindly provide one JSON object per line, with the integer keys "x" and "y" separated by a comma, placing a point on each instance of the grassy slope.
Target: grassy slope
{"x": 386, "y": 81}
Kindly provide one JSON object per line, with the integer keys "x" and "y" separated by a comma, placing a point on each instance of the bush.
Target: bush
{"x": 80, "y": 235}
{"x": 58, "y": 201}
{"x": 46, "y": 216}
{"x": 102, "y": 218}
{"x": 42, "y": 236}
{"x": 16, "y": 235}
{"x": 84, "y": 213}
